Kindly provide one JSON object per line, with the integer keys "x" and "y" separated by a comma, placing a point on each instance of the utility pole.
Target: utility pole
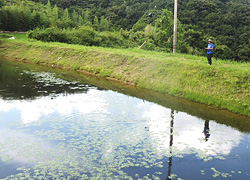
{"x": 175, "y": 27}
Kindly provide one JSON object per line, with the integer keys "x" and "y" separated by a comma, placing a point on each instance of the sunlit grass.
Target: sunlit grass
{"x": 17, "y": 36}
{"x": 225, "y": 84}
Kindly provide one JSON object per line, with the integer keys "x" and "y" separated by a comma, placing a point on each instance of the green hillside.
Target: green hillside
{"x": 124, "y": 24}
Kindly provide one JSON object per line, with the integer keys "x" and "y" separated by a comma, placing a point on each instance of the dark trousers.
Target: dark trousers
{"x": 209, "y": 58}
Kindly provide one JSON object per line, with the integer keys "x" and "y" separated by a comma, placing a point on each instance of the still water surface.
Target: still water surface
{"x": 58, "y": 125}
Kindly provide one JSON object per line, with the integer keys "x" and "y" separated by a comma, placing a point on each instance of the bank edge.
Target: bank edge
{"x": 225, "y": 84}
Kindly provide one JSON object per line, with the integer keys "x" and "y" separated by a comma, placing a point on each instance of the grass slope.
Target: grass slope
{"x": 225, "y": 84}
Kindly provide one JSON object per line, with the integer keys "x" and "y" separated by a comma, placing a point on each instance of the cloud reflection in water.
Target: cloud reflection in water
{"x": 187, "y": 133}
{"x": 187, "y": 130}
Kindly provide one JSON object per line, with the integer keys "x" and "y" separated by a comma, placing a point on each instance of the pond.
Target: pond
{"x": 57, "y": 124}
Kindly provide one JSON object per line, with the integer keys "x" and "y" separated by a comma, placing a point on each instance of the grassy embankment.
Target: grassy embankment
{"x": 225, "y": 84}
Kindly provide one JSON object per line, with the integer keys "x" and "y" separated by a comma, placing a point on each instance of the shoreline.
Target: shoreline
{"x": 15, "y": 32}
{"x": 224, "y": 86}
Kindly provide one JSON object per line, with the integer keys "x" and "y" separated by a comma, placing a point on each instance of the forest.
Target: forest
{"x": 130, "y": 23}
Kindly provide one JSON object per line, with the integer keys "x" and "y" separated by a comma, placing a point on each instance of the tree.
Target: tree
{"x": 164, "y": 29}
{"x": 243, "y": 53}
{"x": 194, "y": 38}
{"x": 96, "y": 24}
{"x": 104, "y": 24}
{"x": 65, "y": 16}
{"x": 11, "y": 18}
{"x": 54, "y": 15}
{"x": 80, "y": 20}
{"x": 87, "y": 18}
{"x": 74, "y": 16}
{"x": 223, "y": 52}
{"x": 48, "y": 8}
{"x": 1, "y": 3}
{"x": 36, "y": 20}
{"x": 25, "y": 21}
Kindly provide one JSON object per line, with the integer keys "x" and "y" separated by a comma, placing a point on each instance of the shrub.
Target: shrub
{"x": 84, "y": 35}
{"x": 223, "y": 52}
{"x": 111, "y": 39}
{"x": 49, "y": 35}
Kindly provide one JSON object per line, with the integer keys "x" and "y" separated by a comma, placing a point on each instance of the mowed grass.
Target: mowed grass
{"x": 225, "y": 84}
{"x": 23, "y": 36}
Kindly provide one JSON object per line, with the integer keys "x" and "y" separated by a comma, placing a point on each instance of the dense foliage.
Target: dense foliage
{"x": 128, "y": 24}
{"x": 84, "y": 35}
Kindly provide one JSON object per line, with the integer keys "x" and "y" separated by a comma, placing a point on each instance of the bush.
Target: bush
{"x": 111, "y": 39}
{"x": 48, "y": 35}
{"x": 223, "y": 52}
{"x": 85, "y": 35}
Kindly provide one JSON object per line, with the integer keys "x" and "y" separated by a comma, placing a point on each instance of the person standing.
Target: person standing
{"x": 209, "y": 49}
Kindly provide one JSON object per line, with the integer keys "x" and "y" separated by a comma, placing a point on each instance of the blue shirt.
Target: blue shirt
{"x": 209, "y": 51}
